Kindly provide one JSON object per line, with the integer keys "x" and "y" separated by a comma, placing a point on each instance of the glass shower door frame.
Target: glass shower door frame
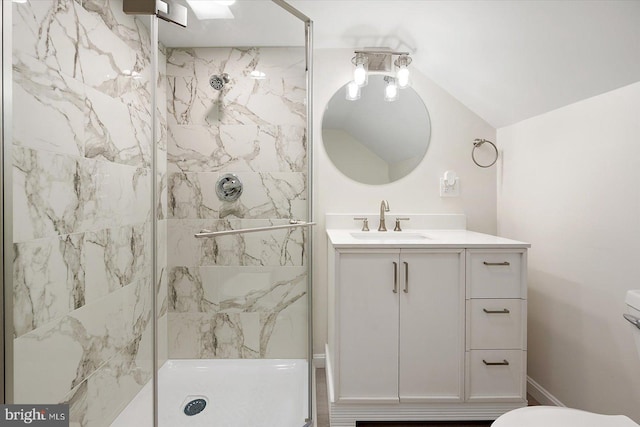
{"x": 308, "y": 33}
{"x": 308, "y": 23}
{"x": 8, "y": 361}
{"x": 6, "y": 203}
{"x": 6, "y": 213}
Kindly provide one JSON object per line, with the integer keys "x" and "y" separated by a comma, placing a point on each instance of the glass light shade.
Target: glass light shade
{"x": 403, "y": 77}
{"x": 391, "y": 90}
{"x": 360, "y": 75}
{"x": 353, "y": 91}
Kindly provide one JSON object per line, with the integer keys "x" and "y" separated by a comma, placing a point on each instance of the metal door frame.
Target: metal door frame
{"x": 6, "y": 211}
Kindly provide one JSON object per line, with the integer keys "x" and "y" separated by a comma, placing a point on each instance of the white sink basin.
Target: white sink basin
{"x": 388, "y": 236}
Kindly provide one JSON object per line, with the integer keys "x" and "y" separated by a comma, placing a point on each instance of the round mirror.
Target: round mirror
{"x": 374, "y": 141}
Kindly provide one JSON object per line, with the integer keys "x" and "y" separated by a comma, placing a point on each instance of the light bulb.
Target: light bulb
{"x": 391, "y": 90}
{"x": 360, "y": 75}
{"x": 403, "y": 77}
{"x": 402, "y": 74}
{"x": 353, "y": 91}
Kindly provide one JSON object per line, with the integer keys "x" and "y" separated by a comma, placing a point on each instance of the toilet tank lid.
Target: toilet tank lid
{"x": 633, "y": 299}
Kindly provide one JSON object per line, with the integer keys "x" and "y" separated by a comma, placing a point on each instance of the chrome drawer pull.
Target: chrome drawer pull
{"x": 503, "y": 363}
{"x": 496, "y": 263}
{"x": 503, "y": 311}
{"x": 395, "y": 277}
{"x": 406, "y": 277}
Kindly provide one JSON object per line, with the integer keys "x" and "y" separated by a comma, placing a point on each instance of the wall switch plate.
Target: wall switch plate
{"x": 450, "y": 190}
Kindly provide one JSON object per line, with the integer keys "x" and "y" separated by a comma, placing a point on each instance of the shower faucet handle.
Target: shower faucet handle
{"x": 229, "y": 188}
{"x": 365, "y": 222}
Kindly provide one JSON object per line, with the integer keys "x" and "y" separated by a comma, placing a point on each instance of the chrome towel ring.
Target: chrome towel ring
{"x": 477, "y": 143}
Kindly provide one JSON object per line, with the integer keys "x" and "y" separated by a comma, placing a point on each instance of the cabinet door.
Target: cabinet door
{"x": 432, "y": 325}
{"x": 368, "y": 327}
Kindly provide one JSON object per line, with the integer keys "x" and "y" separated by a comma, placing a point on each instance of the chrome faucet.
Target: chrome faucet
{"x": 384, "y": 207}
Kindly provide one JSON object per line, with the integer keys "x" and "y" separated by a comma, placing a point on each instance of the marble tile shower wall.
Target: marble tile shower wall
{"x": 237, "y": 296}
{"x": 81, "y": 195}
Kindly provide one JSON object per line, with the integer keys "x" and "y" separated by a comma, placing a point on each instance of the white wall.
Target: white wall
{"x": 568, "y": 184}
{"x": 453, "y": 129}
{"x": 399, "y": 169}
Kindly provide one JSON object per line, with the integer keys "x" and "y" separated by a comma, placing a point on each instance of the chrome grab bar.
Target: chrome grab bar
{"x": 635, "y": 321}
{"x": 292, "y": 224}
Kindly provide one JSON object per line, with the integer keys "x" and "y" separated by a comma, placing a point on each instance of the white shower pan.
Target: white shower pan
{"x": 238, "y": 392}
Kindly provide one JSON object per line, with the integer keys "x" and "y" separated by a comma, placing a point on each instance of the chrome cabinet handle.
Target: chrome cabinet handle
{"x": 395, "y": 277}
{"x": 503, "y": 311}
{"x": 496, "y": 263}
{"x": 635, "y": 321}
{"x": 406, "y": 277}
{"x": 503, "y": 363}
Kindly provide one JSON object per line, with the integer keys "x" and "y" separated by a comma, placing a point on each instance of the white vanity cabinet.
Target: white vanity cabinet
{"x": 399, "y": 330}
{"x": 425, "y": 330}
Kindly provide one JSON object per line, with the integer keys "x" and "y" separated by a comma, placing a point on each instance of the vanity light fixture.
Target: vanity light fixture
{"x": 379, "y": 61}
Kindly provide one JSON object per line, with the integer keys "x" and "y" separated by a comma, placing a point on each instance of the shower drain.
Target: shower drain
{"x": 194, "y": 407}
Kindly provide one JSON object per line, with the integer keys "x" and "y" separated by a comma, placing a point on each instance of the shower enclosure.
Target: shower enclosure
{"x": 124, "y": 137}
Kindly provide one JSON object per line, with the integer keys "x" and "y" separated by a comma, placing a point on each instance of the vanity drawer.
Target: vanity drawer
{"x": 495, "y": 274}
{"x": 495, "y": 324}
{"x": 496, "y": 375}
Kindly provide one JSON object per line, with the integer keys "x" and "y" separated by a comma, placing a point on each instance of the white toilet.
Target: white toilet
{"x": 553, "y": 416}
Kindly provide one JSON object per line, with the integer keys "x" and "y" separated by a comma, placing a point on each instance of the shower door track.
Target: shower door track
{"x": 292, "y": 224}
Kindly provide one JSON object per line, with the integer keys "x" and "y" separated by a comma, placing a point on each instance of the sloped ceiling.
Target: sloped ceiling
{"x": 506, "y": 60}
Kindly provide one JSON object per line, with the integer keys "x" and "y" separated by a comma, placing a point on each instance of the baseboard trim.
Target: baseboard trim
{"x": 319, "y": 360}
{"x": 541, "y": 394}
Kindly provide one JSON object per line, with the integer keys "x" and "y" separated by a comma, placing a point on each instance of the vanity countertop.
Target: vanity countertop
{"x": 419, "y": 239}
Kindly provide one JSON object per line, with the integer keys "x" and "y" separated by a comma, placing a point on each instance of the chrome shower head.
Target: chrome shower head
{"x": 218, "y": 81}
